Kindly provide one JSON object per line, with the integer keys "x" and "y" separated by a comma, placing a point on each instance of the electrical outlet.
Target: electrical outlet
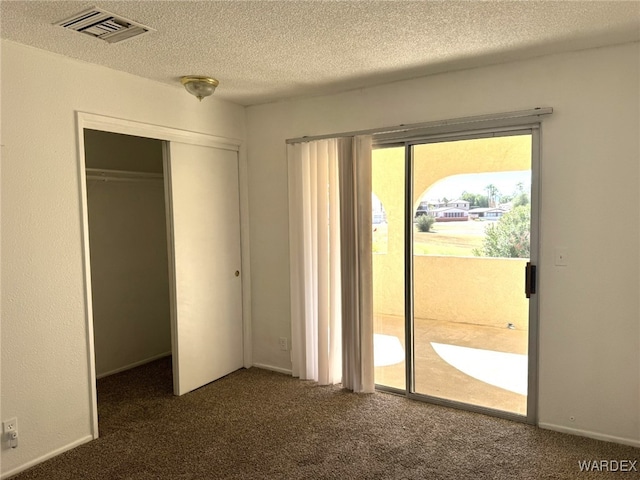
{"x": 10, "y": 425}
{"x": 283, "y": 343}
{"x": 10, "y": 432}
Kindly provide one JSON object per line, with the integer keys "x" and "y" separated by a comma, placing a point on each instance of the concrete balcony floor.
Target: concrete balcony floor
{"x": 469, "y": 358}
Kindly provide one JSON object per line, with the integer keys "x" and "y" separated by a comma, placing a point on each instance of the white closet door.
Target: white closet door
{"x": 204, "y": 222}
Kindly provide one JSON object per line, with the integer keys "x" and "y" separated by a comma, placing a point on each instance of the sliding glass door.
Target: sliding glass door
{"x": 451, "y": 246}
{"x": 388, "y": 185}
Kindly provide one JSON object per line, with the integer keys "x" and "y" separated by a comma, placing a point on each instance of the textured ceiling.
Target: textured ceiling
{"x": 263, "y": 51}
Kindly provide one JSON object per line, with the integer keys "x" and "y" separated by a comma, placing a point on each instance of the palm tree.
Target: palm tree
{"x": 492, "y": 193}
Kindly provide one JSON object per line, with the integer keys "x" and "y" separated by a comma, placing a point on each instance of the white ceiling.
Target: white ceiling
{"x": 262, "y": 51}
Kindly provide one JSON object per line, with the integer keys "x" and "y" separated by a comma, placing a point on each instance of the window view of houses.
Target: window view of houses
{"x": 459, "y": 210}
{"x": 485, "y": 215}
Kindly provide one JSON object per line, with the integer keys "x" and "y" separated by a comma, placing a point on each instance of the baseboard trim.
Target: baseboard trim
{"x": 273, "y": 369}
{"x": 586, "y": 433}
{"x": 133, "y": 365}
{"x": 46, "y": 457}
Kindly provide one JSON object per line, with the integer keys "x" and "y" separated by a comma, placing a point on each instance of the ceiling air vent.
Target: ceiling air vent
{"x": 104, "y": 25}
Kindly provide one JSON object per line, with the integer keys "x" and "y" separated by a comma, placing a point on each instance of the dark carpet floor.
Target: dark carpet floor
{"x": 256, "y": 424}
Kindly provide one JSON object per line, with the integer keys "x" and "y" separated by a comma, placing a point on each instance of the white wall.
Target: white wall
{"x": 589, "y": 311}
{"x": 45, "y": 377}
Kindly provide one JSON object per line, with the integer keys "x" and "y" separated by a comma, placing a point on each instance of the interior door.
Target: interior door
{"x": 204, "y": 231}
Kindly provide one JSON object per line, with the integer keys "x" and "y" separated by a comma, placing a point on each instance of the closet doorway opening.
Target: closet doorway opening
{"x": 129, "y": 261}
{"x": 202, "y": 285}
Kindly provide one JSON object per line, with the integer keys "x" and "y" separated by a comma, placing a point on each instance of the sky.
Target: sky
{"x": 453, "y": 186}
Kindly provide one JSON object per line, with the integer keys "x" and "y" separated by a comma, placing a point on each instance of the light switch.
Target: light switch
{"x": 562, "y": 257}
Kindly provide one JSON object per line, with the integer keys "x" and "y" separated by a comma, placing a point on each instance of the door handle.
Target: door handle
{"x": 530, "y": 280}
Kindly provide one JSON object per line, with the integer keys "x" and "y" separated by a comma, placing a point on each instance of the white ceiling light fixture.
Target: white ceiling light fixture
{"x": 198, "y": 86}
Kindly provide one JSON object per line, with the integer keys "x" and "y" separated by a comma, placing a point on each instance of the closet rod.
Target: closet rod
{"x": 121, "y": 175}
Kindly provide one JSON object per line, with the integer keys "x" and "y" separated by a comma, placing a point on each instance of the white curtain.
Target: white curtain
{"x": 330, "y": 261}
{"x": 357, "y": 293}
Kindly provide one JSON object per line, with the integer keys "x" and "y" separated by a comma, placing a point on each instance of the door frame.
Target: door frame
{"x": 444, "y": 133}
{"x": 104, "y": 123}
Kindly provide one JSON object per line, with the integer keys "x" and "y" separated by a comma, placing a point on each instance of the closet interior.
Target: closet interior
{"x": 128, "y": 250}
